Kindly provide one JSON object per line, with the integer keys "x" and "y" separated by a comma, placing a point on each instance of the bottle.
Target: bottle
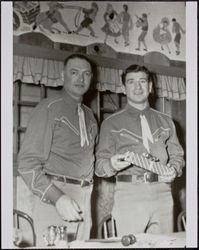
{"x": 51, "y": 235}
{"x": 63, "y": 237}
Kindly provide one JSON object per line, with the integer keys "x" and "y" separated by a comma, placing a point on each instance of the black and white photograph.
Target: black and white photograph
{"x": 99, "y": 134}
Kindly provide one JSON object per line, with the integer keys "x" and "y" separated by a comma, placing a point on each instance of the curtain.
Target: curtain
{"x": 37, "y": 70}
{"x": 170, "y": 87}
{"x": 48, "y": 72}
{"x": 109, "y": 79}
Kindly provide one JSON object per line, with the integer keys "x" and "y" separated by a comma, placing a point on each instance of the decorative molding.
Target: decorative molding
{"x": 101, "y": 49}
{"x": 102, "y": 54}
{"x": 157, "y": 58}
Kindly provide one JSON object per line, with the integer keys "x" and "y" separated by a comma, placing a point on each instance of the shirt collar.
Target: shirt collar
{"x": 136, "y": 112}
{"x": 73, "y": 103}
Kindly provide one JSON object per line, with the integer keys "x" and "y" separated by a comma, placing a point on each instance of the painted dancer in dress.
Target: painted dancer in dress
{"x": 162, "y": 35}
{"x": 112, "y": 25}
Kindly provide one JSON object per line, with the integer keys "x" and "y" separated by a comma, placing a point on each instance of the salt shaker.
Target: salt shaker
{"x": 52, "y": 233}
{"x": 63, "y": 237}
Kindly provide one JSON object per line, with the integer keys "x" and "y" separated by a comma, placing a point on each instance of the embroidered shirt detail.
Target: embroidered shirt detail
{"x": 58, "y": 100}
{"x": 123, "y": 129}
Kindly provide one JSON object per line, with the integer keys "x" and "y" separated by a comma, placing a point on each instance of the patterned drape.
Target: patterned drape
{"x": 48, "y": 72}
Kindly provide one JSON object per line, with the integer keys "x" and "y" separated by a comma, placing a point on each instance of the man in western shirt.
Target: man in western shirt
{"x": 142, "y": 199}
{"x": 56, "y": 159}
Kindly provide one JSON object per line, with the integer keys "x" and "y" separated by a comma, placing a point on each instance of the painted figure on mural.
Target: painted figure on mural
{"x": 162, "y": 35}
{"x": 46, "y": 20}
{"x": 111, "y": 26}
{"x": 142, "y": 22}
{"x": 177, "y": 30}
{"x": 127, "y": 24}
{"x": 24, "y": 12}
{"x": 89, "y": 17}
{"x": 28, "y": 10}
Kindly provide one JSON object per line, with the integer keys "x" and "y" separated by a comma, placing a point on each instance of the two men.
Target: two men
{"x": 56, "y": 159}
{"x": 142, "y": 199}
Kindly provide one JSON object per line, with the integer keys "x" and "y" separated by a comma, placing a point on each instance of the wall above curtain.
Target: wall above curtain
{"x": 129, "y": 27}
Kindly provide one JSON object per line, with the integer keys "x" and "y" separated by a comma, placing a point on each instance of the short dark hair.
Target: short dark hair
{"x": 136, "y": 68}
{"x": 125, "y": 6}
{"x": 80, "y": 56}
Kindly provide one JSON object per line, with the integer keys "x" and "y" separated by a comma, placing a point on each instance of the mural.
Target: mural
{"x": 129, "y": 27}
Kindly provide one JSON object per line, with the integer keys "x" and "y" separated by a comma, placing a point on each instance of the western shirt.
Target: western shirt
{"x": 121, "y": 132}
{"x": 52, "y": 145}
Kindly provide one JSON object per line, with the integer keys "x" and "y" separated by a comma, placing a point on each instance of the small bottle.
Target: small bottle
{"x": 51, "y": 235}
{"x": 63, "y": 237}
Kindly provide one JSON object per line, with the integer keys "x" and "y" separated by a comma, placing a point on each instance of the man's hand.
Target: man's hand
{"x": 168, "y": 178}
{"x": 158, "y": 149}
{"x": 118, "y": 162}
{"x": 68, "y": 209}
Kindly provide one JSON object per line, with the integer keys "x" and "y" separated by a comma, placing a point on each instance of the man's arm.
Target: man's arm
{"x": 108, "y": 163}
{"x": 34, "y": 152}
{"x": 175, "y": 152}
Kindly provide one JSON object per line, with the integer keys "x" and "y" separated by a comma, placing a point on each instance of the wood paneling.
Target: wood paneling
{"x": 122, "y": 61}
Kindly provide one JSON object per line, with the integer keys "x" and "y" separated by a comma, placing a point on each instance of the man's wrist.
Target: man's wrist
{"x": 52, "y": 195}
{"x": 177, "y": 169}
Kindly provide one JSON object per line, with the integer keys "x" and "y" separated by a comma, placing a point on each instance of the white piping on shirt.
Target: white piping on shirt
{"x": 60, "y": 99}
{"x": 123, "y": 129}
{"x": 69, "y": 124}
{"x": 119, "y": 112}
{"x": 159, "y": 129}
{"x": 46, "y": 190}
{"x": 33, "y": 179}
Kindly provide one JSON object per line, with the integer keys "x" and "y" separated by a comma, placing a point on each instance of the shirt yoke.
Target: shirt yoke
{"x": 162, "y": 114}
{"x": 115, "y": 115}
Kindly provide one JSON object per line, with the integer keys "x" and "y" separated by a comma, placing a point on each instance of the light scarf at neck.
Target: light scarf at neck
{"x": 82, "y": 127}
{"x": 146, "y": 132}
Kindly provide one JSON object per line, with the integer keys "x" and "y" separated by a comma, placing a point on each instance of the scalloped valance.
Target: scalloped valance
{"x": 48, "y": 72}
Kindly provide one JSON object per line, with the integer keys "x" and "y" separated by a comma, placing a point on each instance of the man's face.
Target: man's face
{"x": 137, "y": 87}
{"x": 77, "y": 77}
